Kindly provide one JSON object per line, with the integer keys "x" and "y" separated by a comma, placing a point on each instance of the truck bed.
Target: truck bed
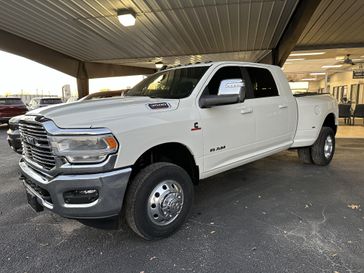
{"x": 312, "y": 111}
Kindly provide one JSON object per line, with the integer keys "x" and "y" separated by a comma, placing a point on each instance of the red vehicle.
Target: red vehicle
{"x": 11, "y": 107}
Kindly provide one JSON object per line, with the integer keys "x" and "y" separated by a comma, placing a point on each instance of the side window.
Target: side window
{"x": 226, "y": 81}
{"x": 262, "y": 81}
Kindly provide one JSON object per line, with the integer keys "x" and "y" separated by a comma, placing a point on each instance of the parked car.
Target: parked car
{"x": 13, "y": 131}
{"x": 13, "y": 137}
{"x": 104, "y": 94}
{"x": 137, "y": 157}
{"x": 42, "y": 102}
{"x": 10, "y": 107}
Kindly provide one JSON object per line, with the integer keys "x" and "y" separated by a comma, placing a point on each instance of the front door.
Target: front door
{"x": 228, "y": 130}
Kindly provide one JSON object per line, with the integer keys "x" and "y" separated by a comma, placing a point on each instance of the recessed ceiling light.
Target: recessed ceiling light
{"x": 332, "y": 66}
{"x": 309, "y": 79}
{"x": 306, "y": 54}
{"x": 126, "y": 17}
{"x": 317, "y": 73}
{"x": 297, "y": 59}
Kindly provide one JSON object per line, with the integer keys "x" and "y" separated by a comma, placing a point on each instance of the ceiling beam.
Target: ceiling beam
{"x": 328, "y": 46}
{"x": 101, "y": 70}
{"x": 64, "y": 63}
{"x": 36, "y": 52}
{"x": 293, "y": 31}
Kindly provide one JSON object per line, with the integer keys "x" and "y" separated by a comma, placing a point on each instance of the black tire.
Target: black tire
{"x": 304, "y": 154}
{"x": 318, "y": 148}
{"x": 138, "y": 197}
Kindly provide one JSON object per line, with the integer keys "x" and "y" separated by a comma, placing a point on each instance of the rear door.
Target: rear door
{"x": 271, "y": 110}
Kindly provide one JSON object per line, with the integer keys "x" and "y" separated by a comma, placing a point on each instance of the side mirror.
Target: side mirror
{"x": 215, "y": 100}
{"x": 232, "y": 86}
{"x": 230, "y": 91}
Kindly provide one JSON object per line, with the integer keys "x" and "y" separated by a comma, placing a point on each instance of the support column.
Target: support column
{"x": 82, "y": 80}
{"x": 291, "y": 34}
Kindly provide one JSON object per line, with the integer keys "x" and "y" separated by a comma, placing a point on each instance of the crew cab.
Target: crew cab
{"x": 138, "y": 157}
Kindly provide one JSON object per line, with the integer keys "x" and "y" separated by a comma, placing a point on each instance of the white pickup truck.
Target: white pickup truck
{"x": 139, "y": 156}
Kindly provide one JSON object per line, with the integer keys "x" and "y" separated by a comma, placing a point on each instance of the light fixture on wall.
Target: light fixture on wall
{"x": 332, "y": 66}
{"x": 295, "y": 59}
{"x": 296, "y": 54}
{"x": 318, "y": 73}
{"x": 127, "y": 17}
{"x": 158, "y": 65}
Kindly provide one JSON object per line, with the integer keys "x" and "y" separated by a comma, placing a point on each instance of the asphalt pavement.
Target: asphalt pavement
{"x": 273, "y": 215}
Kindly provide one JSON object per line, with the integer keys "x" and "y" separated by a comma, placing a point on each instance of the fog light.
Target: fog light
{"x": 81, "y": 196}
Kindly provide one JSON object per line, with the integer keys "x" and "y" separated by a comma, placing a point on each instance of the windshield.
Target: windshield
{"x": 51, "y": 101}
{"x": 170, "y": 84}
{"x": 10, "y": 101}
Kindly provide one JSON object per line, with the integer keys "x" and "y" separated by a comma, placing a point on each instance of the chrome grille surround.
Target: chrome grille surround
{"x": 36, "y": 146}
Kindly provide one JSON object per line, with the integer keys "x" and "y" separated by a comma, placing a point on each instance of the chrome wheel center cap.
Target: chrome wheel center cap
{"x": 172, "y": 204}
{"x": 328, "y": 147}
{"x": 165, "y": 202}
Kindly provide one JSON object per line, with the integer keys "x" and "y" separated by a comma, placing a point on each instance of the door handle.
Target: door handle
{"x": 246, "y": 111}
{"x": 281, "y": 106}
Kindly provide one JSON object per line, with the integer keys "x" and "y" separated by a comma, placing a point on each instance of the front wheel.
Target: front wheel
{"x": 322, "y": 151}
{"x": 158, "y": 200}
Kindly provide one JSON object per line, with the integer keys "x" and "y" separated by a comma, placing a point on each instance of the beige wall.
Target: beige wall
{"x": 340, "y": 79}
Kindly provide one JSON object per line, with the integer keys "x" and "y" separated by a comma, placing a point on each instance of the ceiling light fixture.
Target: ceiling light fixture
{"x": 317, "y": 73}
{"x": 158, "y": 65}
{"x": 306, "y": 54}
{"x": 309, "y": 79}
{"x": 126, "y": 17}
{"x": 297, "y": 59}
{"x": 332, "y": 66}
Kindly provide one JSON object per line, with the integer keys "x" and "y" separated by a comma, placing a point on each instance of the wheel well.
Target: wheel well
{"x": 330, "y": 122}
{"x": 175, "y": 153}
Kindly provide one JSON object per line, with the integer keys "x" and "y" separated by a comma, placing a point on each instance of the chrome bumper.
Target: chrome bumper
{"x": 110, "y": 185}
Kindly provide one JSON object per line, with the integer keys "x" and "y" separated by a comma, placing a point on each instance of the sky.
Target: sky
{"x": 20, "y": 75}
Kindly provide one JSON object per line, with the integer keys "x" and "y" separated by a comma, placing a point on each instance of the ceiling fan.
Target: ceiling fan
{"x": 347, "y": 60}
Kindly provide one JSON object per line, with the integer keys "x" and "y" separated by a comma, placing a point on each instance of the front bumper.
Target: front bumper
{"x": 49, "y": 191}
{"x": 14, "y": 141}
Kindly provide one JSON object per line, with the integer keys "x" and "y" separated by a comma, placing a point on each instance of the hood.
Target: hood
{"x": 93, "y": 112}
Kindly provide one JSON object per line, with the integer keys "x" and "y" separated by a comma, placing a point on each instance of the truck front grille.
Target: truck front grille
{"x": 36, "y": 146}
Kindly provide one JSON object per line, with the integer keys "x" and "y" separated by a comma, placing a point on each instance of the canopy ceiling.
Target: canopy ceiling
{"x": 174, "y": 31}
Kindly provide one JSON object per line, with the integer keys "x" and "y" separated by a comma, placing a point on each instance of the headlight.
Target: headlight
{"x": 84, "y": 149}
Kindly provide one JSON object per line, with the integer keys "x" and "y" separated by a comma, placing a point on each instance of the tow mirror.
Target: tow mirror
{"x": 215, "y": 100}
{"x": 230, "y": 91}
